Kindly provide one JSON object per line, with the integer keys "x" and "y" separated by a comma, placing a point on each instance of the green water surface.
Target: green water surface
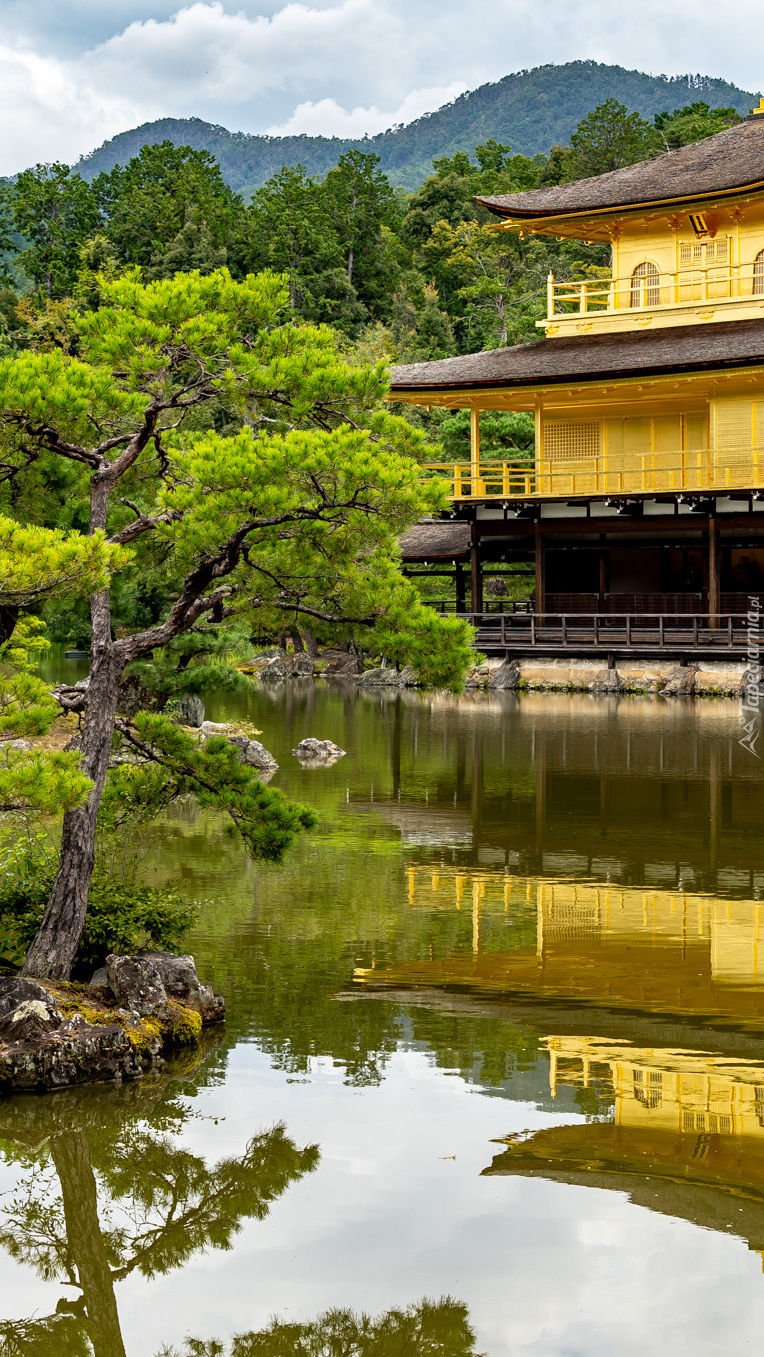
{"x": 492, "y": 1073}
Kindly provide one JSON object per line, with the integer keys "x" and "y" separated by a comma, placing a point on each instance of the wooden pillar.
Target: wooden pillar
{"x": 460, "y": 588}
{"x": 602, "y": 601}
{"x": 474, "y": 449}
{"x": 476, "y": 572}
{"x": 714, "y": 573}
{"x": 540, "y": 572}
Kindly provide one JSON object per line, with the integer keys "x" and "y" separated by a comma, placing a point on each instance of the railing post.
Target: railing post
{"x": 550, "y": 296}
{"x": 474, "y": 449}
{"x": 582, "y": 298}
{"x": 533, "y": 629}
{"x": 628, "y": 629}
{"x": 564, "y": 622}
{"x": 661, "y": 620}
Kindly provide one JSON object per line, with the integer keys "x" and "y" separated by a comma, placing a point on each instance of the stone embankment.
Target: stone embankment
{"x": 667, "y": 678}
{"x": 53, "y": 1035}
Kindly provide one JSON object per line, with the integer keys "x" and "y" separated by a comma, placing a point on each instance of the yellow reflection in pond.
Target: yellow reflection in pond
{"x": 606, "y": 945}
{"x": 686, "y": 1138}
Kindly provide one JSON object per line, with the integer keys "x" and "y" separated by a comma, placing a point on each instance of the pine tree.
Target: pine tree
{"x": 292, "y": 518}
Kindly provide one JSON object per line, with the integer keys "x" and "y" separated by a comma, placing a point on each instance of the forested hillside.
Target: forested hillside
{"x": 530, "y": 110}
{"x": 399, "y": 277}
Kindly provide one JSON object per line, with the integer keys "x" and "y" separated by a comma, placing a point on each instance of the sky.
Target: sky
{"x": 74, "y": 74}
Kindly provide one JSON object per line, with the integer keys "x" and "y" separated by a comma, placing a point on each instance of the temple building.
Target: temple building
{"x": 644, "y": 496}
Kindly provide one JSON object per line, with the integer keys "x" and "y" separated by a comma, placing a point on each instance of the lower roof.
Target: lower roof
{"x": 626, "y": 353}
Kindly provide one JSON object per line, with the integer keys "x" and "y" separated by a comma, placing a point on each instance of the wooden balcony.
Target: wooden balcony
{"x": 648, "y": 473}
{"x": 642, "y": 634}
{"x": 721, "y": 291}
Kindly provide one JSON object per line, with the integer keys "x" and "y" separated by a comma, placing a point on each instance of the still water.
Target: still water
{"x": 494, "y": 1042}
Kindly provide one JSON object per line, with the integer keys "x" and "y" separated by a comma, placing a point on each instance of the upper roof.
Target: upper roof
{"x": 725, "y": 163}
{"x": 691, "y": 348}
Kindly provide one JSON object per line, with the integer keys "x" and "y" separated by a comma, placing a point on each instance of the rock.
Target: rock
{"x": 380, "y": 678}
{"x": 180, "y": 980}
{"x": 408, "y": 677}
{"x": 136, "y": 984}
{"x": 209, "y": 728}
{"x": 77, "y": 1053}
{"x": 189, "y": 710}
{"x": 249, "y": 751}
{"x": 15, "y": 990}
{"x": 31, "y": 1021}
{"x": 609, "y": 682}
{"x": 275, "y": 671}
{"x": 133, "y": 696}
{"x": 680, "y": 681}
{"x": 9, "y": 747}
{"x": 344, "y": 666}
{"x": 253, "y": 753}
{"x": 318, "y": 753}
{"x": 263, "y": 656}
{"x": 478, "y": 677}
{"x": 506, "y": 676}
{"x": 41, "y": 1050}
{"x": 302, "y": 666}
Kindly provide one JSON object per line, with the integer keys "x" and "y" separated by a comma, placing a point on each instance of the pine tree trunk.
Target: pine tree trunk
{"x": 71, "y": 1156}
{"x": 54, "y": 949}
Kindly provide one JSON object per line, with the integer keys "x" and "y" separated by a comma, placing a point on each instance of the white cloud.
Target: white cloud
{"x": 327, "y": 119}
{"x": 204, "y": 51}
{"x": 348, "y": 66}
{"x": 48, "y": 113}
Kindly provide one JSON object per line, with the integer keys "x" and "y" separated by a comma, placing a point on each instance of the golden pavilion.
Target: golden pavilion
{"x": 644, "y": 497}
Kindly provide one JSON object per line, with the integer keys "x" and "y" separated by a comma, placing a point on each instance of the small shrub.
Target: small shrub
{"x": 121, "y": 917}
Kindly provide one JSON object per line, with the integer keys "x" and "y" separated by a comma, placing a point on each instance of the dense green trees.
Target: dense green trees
{"x": 231, "y": 451}
{"x": 291, "y": 516}
{"x": 357, "y": 254}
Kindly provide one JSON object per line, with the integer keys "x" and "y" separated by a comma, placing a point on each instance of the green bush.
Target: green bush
{"x": 121, "y": 917}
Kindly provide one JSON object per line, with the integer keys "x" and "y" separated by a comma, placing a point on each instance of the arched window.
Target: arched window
{"x": 758, "y": 274}
{"x": 650, "y": 1094}
{"x": 645, "y": 285}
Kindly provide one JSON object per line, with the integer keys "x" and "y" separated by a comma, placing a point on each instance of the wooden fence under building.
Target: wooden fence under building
{"x": 641, "y": 634}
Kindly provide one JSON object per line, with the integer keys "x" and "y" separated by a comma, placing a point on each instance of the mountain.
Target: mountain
{"x": 530, "y": 110}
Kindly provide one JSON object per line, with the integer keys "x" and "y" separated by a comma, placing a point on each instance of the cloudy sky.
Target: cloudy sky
{"x": 74, "y": 74}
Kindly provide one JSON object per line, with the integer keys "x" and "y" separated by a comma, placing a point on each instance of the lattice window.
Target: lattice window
{"x": 701, "y": 254}
{"x": 711, "y": 1122}
{"x": 645, "y": 285}
{"x": 649, "y": 1093}
{"x": 734, "y": 425}
{"x": 572, "y": 442}
{"x": 758, "y": 274}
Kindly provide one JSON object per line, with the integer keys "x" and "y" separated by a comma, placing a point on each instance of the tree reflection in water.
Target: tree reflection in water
{"x": 105, "y": 1191}
{"x": 429, "y": 1329}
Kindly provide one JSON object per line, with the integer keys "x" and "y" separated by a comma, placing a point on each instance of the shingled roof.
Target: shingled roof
{"x": 435, "y": 541}
{"x": 727, "y": 162}
{"x": 691, "y": 348}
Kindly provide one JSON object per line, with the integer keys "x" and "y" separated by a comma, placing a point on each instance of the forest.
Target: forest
{"x": 197, "y": 454}
{"x": 400, "y": 277}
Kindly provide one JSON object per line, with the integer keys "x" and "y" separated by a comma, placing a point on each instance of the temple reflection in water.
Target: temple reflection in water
{"x": 686, "y": 1136}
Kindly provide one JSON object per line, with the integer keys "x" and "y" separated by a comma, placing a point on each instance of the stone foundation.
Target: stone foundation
{"x": 720, "y": 678}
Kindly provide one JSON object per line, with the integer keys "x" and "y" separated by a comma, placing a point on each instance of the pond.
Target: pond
{"x": 492, "y": 1072}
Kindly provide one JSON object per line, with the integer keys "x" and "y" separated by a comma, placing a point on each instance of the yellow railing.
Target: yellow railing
{"x": 607, "y": 474}
{"x": 712, "y": 282}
